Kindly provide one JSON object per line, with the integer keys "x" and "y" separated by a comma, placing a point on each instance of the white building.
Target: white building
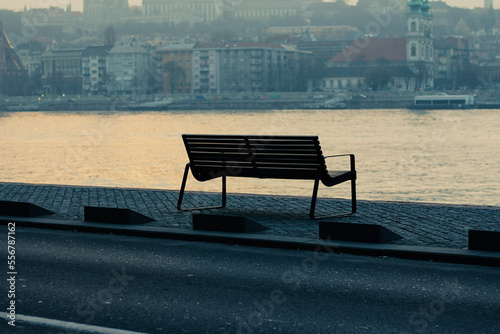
{"x": 31, "y": 56}
{"x": 266, "y": 9}
{"x": 104, "y": 11}
{"x": 176, "y": 11}
{"x": 94, "y": 69}
{"x": 206, "y": 69}
{"x": 128, "y": 69}
{"x": 195, "y": 11}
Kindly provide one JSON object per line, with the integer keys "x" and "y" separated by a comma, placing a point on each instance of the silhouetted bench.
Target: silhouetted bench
{"x": 273, "y": 157}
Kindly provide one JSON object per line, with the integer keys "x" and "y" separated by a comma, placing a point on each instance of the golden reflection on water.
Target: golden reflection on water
{"x": 446, "y": 156}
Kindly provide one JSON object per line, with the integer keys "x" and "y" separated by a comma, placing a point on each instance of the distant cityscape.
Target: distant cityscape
{"x": 258, "y": 46}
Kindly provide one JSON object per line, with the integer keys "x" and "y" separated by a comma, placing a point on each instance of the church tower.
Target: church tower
{"x": 419, "y": 42}
{"x": 419, "y": 32}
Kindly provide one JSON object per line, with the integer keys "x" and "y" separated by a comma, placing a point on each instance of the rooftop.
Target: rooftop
{"x": 376, "y": 50}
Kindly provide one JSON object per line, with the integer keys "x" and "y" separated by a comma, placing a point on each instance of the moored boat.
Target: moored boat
{"x": 157, "y": 105}
{"x": 443, "y": 101}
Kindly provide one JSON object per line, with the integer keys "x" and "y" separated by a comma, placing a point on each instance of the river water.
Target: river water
{"x": 439, "y": 156}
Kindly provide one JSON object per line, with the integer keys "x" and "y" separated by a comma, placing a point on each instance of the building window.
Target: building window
{"x": 413, "y": 51}
{"x": 413, "y": 26}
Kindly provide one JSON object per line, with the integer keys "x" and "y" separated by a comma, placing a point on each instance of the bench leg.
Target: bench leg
{"x": 315, "y": 196}
{"x": 353, "y": 196}
{"x": 183, "y": 187}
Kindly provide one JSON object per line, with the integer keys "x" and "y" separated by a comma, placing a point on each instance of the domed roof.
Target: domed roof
{"x": 426, "y": 7}
{"x": 415, "y": 6}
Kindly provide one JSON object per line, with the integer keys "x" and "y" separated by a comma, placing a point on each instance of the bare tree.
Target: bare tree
{"x": 174, "y": 75}
{"x": 110, "y": 36}
{"x": 377, "y": 77}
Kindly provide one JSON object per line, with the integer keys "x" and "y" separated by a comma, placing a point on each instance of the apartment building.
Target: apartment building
{"x": 206, "y": 68}
{"x": 246, "y": 67}
{"x": 176, "y": 68}
{"x": 94, "y": 70}
{"x": 128, "y": 69}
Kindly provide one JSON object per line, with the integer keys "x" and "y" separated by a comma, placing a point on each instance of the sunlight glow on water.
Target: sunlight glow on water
{"x": 445, "y": 156}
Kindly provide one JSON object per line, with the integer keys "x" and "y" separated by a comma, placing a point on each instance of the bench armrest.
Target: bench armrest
{"x": 353, "y": 163}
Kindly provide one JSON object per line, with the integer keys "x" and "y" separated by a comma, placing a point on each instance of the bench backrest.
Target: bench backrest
{"x": 281, "y": 157}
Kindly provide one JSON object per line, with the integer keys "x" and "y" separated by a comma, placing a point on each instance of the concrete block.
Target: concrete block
{"x": 356, "y": 232}
{"x": 484, "y": 240}
{"x": 22, "y": 209}
{"x": 114, "y": 216}
{"x": 225, "y": 224}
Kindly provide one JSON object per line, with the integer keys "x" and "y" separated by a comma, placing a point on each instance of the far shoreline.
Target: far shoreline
{"x": 256, "y": 101}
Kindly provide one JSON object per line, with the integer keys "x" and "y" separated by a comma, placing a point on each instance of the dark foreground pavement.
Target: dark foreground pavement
{"x": 428, "y": 228}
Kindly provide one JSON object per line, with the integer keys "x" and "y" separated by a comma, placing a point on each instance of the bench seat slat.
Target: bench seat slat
{"x": 280, "y": 141}
{"x": 291, "y": 165}
{"x": 228, "y": 164}
{"x": 284, "y": 145}
{"x": 255, "y": 158}
{"x": 215, "y": 149}
{"x": 281, "y": 157}
{"x": 208, "y": 147}
{"x": 299, "y": 150}
{"x": 259, "y": 166}
{"x": 257, "y": 138}
{"x": 221, "y": 156}
{"x": 244, "y": 145}
{"x": 264, "y": 174}
{"x": 216, "y": 143}
{"x": 213, "y": 137}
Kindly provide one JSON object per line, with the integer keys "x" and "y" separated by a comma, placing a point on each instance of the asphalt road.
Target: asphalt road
{"x": 165, "y": 286}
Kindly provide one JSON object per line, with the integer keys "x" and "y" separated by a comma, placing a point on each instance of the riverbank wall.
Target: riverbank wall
{"x": 265, "y": 102}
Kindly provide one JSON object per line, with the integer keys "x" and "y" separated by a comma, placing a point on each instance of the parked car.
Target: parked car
{"x": 358, "y": 97}
{"x": 201, "y": 98}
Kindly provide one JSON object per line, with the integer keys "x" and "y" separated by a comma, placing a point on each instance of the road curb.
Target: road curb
{"x": 437, "y": 254}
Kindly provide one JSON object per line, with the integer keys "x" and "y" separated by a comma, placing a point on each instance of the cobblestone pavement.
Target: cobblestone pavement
{"x": 437, "y": 225}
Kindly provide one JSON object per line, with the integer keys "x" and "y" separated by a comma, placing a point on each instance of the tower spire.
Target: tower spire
{"x": 415, "y": 6}
{"x": 426, "y": 8}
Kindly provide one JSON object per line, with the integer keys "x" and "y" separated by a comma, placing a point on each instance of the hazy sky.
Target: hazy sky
{"x": 78, "y": 4}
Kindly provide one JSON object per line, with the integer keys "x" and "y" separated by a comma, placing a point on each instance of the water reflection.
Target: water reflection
{"x": 436, "y": 156}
